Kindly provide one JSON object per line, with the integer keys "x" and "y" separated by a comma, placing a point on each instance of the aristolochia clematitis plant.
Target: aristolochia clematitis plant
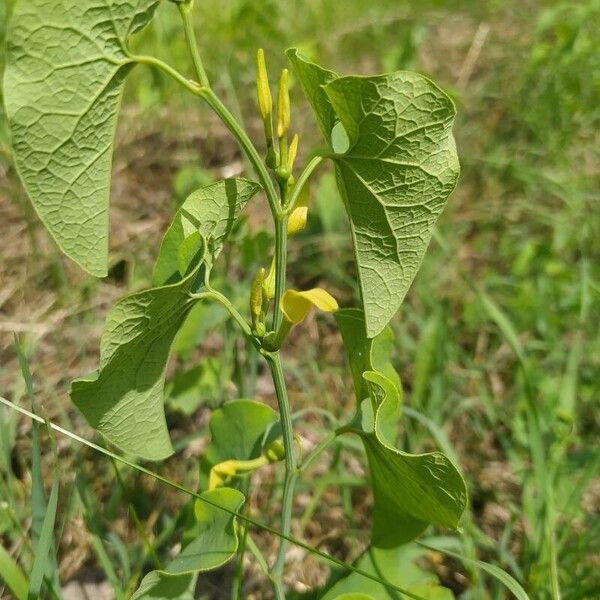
{"x": 390, "y": 140}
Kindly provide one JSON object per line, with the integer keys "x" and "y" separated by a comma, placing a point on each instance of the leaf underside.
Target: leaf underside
{"x": 395, "y": 177}
{"x": 211, "y": 211}
{"x": 411, "y": 491}
{"x": 238, "y": 430}
{"x": 366, "y": 353}
{"x": 66, "y": 64}
{"x": 124, "y": 401}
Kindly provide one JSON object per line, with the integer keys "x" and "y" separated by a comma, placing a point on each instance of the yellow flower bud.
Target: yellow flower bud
{"x": 265, "y": 102}
{"x": 298, "y": 217}
{"x": 256, "y": 295}
{"x": 268, "y": 286}
{"x": 283, "y": 105}
{"x": 293, "y": 150}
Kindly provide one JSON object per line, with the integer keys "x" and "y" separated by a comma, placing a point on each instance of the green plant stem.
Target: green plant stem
{"x": 205, "y": 91}
{"x": 280, "y": 268}
{"x": 238, "y": 577}
{"x": 190, "y": 37}
{"x": 190, "y": 85}
{"x": 212, "y": 294}
{"x": 251, "y": 152}
{"x": 308, "y": 170}
{"x": 317, "y": 451}
{"x": 291, "y": 469}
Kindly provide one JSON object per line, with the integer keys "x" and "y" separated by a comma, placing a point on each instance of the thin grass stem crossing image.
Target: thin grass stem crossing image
{"x": 299, "y": 300}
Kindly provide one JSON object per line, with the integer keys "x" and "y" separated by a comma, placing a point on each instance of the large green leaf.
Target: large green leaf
{"x": 66, "y": 64}
{"x": 396, "y": 165}
{"x": 124, "y": 401}
{"x": 398, "y": 566}
{"x": 211, "y": 211}
{"x": 215, "y": 543}
{"x": 411, "y": 491}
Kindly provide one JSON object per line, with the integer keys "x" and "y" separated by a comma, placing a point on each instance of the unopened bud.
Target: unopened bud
{"x": 256, "y": 295}
{"x": 263, "y": 91}
{"x": 275, "y": 451}
{"x": 272, "y": 159}
{"x": 268, "y": 286}
{"x": 283, "y": 105}
{"x": 293, "y": 150}
{"x": 298, "y": 217}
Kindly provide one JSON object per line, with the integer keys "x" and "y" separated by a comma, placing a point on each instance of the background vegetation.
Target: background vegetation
{"x": 497, "y": 343}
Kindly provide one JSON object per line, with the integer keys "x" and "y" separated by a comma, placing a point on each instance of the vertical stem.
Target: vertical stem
{"x": 291, "y": 470}
{"x": 285, "y": 414}
{"x": 280, "y": 268}
{"x": 242, "y": 137}
{"x": 221, "y": 110}
{"x": 238, "y": 578}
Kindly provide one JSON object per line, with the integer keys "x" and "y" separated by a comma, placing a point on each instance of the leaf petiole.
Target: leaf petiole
{"x": 303, "y": 178}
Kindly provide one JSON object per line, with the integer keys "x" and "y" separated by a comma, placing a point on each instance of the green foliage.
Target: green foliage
{"x": 390, "y": 140}
{"x": 238, "y": 430}
{"x": 124, "y": 400}
{"x": 44, "y": 545}
{"x": 366, "y": 354}
{"x": 210, "y": 211}
{"x": 399, "y": 567}
{"x": 395, "y": 172}
{"x": 64, "y": 75}
{"x": 215, "y": 542}
{"x": 432, "y": 489}
{"x": 410, "y": 491}
{"x": 12, "y": 575}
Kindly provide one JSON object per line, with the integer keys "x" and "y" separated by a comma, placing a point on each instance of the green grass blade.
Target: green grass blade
{"x": 38, "y": 497}
{"x": 500, "y": 574}
{"x": 42, "y": 550}
{"x": 505, "y": 325}
{"x": 38, "y": 500}
{"x": 12, "y": 575}
{"x": 91, "y": 517}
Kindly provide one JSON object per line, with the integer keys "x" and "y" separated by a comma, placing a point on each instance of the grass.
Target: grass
{"x": 496, "y": 344}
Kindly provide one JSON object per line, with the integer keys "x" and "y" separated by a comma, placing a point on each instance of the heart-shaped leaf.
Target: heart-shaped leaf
{"x": 399, "y": 567}
{"x": 66, "y": 64}
{"x": 215, "y": 542}
{"x": 411, "y": 491}
{"x": 124, "y": 401}
{"x": 396, "y": 165}
{"x": 210, "y": 211}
